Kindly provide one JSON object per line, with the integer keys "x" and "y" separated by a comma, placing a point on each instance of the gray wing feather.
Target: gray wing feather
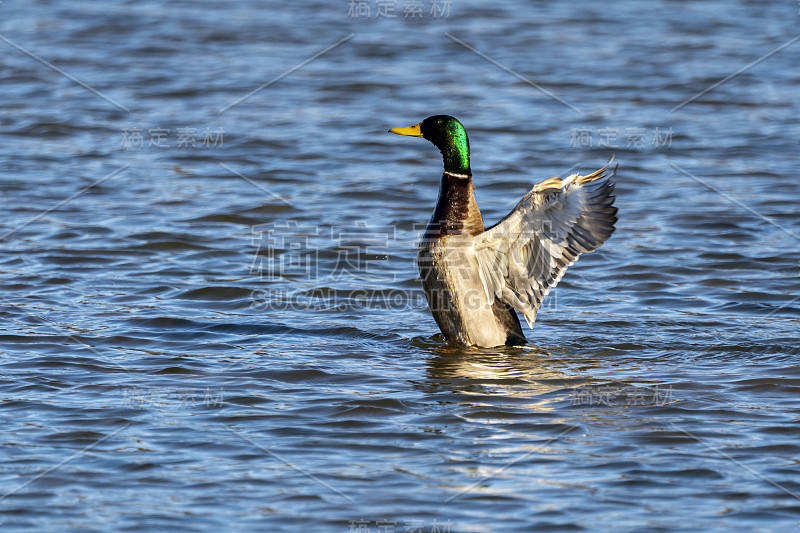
{"x": 525, "y": 255}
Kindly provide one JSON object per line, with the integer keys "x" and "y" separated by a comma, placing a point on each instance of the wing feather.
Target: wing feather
{"x": 526, "y": 254}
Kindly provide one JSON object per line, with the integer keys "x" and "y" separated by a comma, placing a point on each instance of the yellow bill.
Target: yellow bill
{"x": 414, "y": 131}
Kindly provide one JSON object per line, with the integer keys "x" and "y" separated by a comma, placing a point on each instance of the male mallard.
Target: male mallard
{"x": 473, "y": 277}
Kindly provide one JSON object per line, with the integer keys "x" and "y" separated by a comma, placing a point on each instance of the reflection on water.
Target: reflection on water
{"x": 507, "y": 373}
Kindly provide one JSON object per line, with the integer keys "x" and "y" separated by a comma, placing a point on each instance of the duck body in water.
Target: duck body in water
{"x": 475, "y": 279}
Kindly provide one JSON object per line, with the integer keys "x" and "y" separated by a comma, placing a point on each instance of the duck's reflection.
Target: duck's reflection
{"x": 527, "y": 376}
{"x": 532, "y": 378}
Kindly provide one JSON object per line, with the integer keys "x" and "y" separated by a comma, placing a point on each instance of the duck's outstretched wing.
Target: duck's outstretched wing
{"x": 525, "y": 255}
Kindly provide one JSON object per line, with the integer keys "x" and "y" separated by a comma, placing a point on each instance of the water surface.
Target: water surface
{"x": 211, "y": 317}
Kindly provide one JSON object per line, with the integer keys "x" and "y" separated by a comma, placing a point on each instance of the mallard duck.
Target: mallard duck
{"x": 476, "y": 278}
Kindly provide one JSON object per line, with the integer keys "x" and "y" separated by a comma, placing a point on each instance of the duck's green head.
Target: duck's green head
{"x": 448, "y": 135}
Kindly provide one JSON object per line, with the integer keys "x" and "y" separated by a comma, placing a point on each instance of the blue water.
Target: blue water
{"x": 211, "y": 317}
